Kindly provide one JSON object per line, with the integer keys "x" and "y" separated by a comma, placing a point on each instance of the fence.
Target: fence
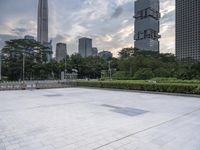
{"x": 47, "y": 84}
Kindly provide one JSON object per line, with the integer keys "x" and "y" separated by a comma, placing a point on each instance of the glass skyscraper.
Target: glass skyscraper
{"x": 147, "y": 25}
{"x": 188, "y": 29}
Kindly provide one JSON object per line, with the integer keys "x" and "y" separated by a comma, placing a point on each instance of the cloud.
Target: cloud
{"x": 118, "y": 12}
{"x": 109, "y": 23}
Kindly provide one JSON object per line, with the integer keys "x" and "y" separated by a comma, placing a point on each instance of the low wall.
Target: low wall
{"x": 48, "y": 84}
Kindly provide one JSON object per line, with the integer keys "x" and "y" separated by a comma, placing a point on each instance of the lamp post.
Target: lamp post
{"x": 109, "y": 70}
{"x": 23, "y": 65}
{"x": 65, "y": 64}
{"x": 0, "y": 66}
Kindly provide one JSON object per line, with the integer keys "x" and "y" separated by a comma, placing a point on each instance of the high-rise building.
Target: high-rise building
{"x": 29, "y": 37}
{"x": 105, "y": 54}
{"x": 188, "y": 29}
{"x": 42, "y": 29}
{"x": 147, "y": 25}
{"x": 61, "y": 51}
{"x": 94, "y": 51}
{"x": 85, "y": 47}
{"x": 42, "y": 35}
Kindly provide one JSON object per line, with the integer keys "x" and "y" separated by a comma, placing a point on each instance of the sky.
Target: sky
{"x": 109, "y": 23}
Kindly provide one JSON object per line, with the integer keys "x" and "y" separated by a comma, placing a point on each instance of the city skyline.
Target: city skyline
{"x": 111, "y": 26}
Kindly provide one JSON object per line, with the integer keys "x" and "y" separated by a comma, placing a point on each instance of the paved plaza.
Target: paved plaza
{"x": 95, "y": 119}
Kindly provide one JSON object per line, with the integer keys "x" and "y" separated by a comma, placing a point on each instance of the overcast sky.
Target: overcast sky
{"x": 109, "y": 23}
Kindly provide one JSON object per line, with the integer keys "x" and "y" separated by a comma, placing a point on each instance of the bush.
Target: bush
{"x": 144, "y": 86}
{"x": 161, "y": 72}
{"x": 120, "y": 75}
{"x": 174, "y": 80}
{"x": 143, "y": 74}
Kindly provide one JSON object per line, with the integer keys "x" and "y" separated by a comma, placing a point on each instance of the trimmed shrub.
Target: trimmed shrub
{"x": 144, "y": 86}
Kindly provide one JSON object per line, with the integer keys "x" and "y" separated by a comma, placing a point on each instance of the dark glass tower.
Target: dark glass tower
{"x": 147, "y": 25}
{"x": 85, "y": 47}
{"x": 188, "y": 29}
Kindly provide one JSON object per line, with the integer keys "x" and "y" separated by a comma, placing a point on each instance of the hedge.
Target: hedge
{"x": 144, "y": 86}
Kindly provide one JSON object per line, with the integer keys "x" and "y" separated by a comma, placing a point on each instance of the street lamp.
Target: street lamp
{"x": 109, "y": 70}
{"x": 0, "y": 66}
{"x": 65, "y": 64}
{"x": 23, "y": 65}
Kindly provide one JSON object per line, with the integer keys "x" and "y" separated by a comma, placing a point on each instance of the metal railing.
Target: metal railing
{"x": 46, "y": 84}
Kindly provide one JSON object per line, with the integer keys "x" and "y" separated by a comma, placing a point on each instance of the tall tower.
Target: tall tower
{"x": 42, "y": 33}
{"x": 188, "y": 29}
{"x": 61, "y": 51}
{"x": 147, "y": 25}
{"x": 85, "y": 47}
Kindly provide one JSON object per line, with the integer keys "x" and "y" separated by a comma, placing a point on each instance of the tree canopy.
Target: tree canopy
{"x": 131, "y": 64}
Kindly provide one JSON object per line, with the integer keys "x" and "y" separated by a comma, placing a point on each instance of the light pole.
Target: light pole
{"x": 23, "y": 66}
{"x": 109, "y": 70}
{"x": 0, "y": 66}
{"x": 65, "y": 64}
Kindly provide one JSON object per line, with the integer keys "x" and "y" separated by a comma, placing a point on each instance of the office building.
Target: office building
{"x": 85, "y": 47}
{"x": 94, "y": 52}
{"x": 42, "y": 35}
{"x": 188, "y": 29}
{"x": 29, "y": 37}
{"x": 61, "y": 51}
{"x": 105, "y": 54}
{"x": 42, "y": 28}
{"x": 147, "y": 25}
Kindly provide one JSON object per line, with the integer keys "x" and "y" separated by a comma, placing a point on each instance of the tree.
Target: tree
{"x": 144, "y": 74}
{"x": 128, "y": 52}
{"x": 15, "y": 51}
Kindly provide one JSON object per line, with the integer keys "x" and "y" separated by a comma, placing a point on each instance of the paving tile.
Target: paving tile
{"x": 92, "y": 119}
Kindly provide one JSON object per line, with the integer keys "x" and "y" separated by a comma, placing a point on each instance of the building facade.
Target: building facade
{"x": 28, "y": 37}
{"x": 105, "y": 54}
{"x": 147, "y": 25}
{"x": 188, "y": 29}
{"x": 61, "y": 51}
{"x": 94, "y": 52}
{"x": 42, "y": 28}
{"x": 85, "y": 47}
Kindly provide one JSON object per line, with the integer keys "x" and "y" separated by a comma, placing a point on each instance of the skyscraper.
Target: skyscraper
{"x": 61, "y": 51}
{"x": 42, "y": 33}
{"x": 85, "y": 47}
{"x": 29, "y": 37}
{"x": 94, "y": 51}
{"x": 188, "y": 29}
{"x": 147, "y": 25}
{"x": 105, "y": 54}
